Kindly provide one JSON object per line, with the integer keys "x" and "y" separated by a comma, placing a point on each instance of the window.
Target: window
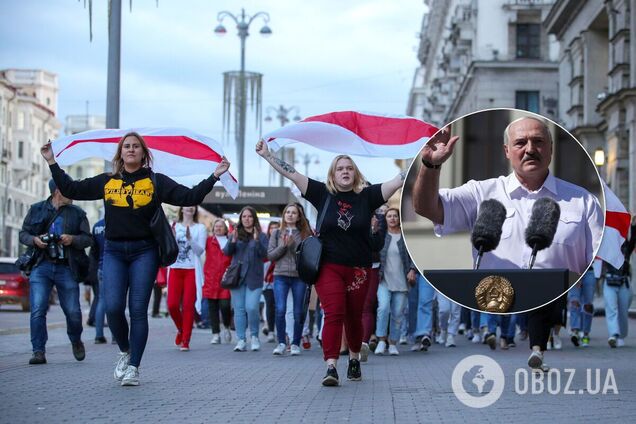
{"x": 20, "y": 149}
{"x": 529, "y": 41}
{"x": 527, "y": 100}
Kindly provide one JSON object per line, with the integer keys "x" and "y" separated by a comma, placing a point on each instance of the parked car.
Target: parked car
{"x": 14, "y": 285}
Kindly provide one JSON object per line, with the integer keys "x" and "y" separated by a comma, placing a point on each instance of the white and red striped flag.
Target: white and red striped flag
{"x": 617, "y": 221}
{"x": 181, "y": 154}
{"x": 355, "y": 133}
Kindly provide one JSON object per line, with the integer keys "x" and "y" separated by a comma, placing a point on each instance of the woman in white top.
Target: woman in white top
{"x": 185, "y": 276}
{"x": 397, "y": 273}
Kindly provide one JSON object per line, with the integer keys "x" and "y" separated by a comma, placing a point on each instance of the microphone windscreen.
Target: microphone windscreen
{"x": 487, "y": 230}
{"x": 543, "y": 223}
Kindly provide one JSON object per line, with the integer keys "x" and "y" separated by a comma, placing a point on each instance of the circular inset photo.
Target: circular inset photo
{"x": 502, "y": 211}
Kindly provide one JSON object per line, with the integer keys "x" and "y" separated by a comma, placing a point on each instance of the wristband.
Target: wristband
{"x": 430, "y": 165}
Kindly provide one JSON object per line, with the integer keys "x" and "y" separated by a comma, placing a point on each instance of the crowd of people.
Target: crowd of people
{"x": 368, "y": 298}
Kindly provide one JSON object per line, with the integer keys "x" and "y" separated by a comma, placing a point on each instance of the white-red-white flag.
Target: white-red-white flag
{"x": 181, "y": 154}
{"x": 617, "y": 221}
{"x": 355, "y": 133}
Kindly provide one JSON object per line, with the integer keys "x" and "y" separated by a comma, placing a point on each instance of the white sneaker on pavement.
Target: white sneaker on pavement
{"x": 279, "y": 350}
{"x": 393, "y": 350}
{"x": 294, "y": 350}
{"x": 620, "y": 342}
{"x": 441, "y": 337}
{"x": 216, "y": 339}
{"x": 403, "y": 340}
{"x": 379, "y": 350}
{"x": 131, "y": 378}
{"x": 256, "y": 344}
{"x": 270, "y": 337}
{"x": 556, "y": 342}
{"x": 535, "y": 360}
{"x": 476, "y": 338}
{"x": 241, "y": 346}
{"x": 450, "y": 341}
{"x": 364, "y": 352}
{"x": 121, "y": 365}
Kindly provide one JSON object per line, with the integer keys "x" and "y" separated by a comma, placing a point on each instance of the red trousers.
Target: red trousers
{"x": 182, "y": 294}
{"x": 370, "y": 305}
{"x": 342, "y": 291}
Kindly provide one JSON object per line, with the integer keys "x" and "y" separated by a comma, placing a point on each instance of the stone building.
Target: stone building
{"x": 28, "y": 118}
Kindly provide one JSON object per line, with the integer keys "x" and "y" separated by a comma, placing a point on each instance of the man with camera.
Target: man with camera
{"x": 57, "y": 233}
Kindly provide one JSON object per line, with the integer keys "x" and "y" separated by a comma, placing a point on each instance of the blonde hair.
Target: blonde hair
{"x": 359, "y": 181}
{"x": 118, "y": 162}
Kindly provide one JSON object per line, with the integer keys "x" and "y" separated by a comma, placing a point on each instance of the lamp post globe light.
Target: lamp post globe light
{"x": 243, "y": 22}
{"x": 282, "y": 114}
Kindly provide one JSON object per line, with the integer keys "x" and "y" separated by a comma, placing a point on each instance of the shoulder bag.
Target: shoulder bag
{"x": 161, "y": 231}
{"x": 309, "y": 251}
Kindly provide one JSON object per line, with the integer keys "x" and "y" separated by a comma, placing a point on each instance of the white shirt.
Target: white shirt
{"x": 578, "y": 232}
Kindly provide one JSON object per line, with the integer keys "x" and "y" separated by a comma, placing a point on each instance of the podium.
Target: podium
{"x": 532, "y": 287}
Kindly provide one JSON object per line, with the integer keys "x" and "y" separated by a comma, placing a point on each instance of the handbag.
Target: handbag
{"x": 232, "y": 276}
{"x": 162, "y": 233}
{"x": 29, "y": 258}
{"x": 309, "y": 252}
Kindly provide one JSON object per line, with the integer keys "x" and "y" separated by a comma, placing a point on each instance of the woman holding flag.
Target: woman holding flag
{"x": 131, "y": 193}
{"x": 346, "y": 255}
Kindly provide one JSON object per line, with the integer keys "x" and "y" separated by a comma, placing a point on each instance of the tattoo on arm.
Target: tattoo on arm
{"x": 283, "y": 165}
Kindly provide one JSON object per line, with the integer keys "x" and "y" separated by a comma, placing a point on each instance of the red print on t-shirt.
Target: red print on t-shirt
{"x": 344, "y": 215}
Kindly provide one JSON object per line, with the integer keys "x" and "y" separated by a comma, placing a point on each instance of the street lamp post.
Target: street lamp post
{"x": 243, "y": 22}
{"x": 282, "y": 113}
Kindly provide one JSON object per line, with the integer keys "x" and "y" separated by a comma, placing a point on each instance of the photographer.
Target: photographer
{"x": 59, "y": 233}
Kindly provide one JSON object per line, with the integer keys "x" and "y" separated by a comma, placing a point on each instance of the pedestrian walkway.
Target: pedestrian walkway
{"x": 213, "y": 384}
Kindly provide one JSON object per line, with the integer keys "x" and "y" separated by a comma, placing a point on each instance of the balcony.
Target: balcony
{"x": 527, "y": 4}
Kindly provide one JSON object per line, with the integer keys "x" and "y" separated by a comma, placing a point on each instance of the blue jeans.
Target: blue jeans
{"x": 449, "y": 314}
{"x": 246, "y": 301}
{"x": 580, "y": 298}
{"x": 478, "y": 320}
{"x": 426, "y": 293}
{"x": 390, "y": 302}
{"x": 130, "y": 268}
{"x": 100, "y": 309}
{"x": 503, "y": 322}
{"x": 43, "y": 278}
{"x": 617, "y": 301}
{"x": 282, "y": 285}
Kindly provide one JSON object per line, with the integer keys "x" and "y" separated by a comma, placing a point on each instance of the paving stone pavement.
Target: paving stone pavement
{"x": 212, "y": 384}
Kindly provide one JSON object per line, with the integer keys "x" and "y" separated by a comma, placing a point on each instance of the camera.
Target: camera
{"x": 53, "y": 249}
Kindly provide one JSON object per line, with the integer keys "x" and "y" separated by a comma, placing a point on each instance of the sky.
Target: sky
{"x": 322, "y": 56}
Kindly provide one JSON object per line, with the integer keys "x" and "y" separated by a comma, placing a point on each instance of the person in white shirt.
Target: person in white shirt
{"x": 185, "y": 276}
{"x": 528, "y": 147}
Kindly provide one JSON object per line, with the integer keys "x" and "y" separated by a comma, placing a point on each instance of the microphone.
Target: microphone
{"x": 542, "y": 226}
{"x": 487, "y": 230}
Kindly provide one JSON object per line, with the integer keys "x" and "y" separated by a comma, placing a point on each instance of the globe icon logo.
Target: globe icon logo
{"x": 478, "y": 381}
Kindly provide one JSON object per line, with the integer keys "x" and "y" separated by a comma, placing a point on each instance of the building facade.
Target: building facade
{"x": 28, "y": 118}
{"x": 597, "y": 83}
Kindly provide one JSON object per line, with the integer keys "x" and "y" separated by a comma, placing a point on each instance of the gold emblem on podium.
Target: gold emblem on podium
{"x": 494, "y": 294}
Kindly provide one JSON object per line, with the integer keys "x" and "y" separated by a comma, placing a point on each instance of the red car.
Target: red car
{"x": 14, "y": 285}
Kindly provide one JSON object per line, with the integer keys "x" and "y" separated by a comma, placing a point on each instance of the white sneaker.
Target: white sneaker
{"x": 280, "y": 349}
{"x": 476, "y": 338}
{"x": 294, "y": 350}
{"x": 241, "y": 346}
{"x": 379, "y": 350}
{"x": 450, "y": 341}
{"x": 364, "y": 352}
{"x": 393, "y": 350}
{"x": 121, "y": 365}
{"x": 535, "y": 360}
{"x": 441, "y": 337}
{"x": 403, "y": 340}
{"x": 461, "y": 329}
{"x": 131, "y": 378}
{"x": 469, "y": 334}
{"x": 216, "y": 339}
{"x": 256, "y": 344}
{"x": 620, "y": 342}
{"x": 556, "y": 342}
{"x": 227, "y": 336}
{"x": 270, "y": 337}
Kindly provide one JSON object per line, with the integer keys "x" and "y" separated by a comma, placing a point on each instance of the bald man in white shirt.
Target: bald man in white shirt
{"x": 528, "y": 147}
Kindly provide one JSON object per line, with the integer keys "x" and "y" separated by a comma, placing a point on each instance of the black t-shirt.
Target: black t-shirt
{"x": 345, "y": 231}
